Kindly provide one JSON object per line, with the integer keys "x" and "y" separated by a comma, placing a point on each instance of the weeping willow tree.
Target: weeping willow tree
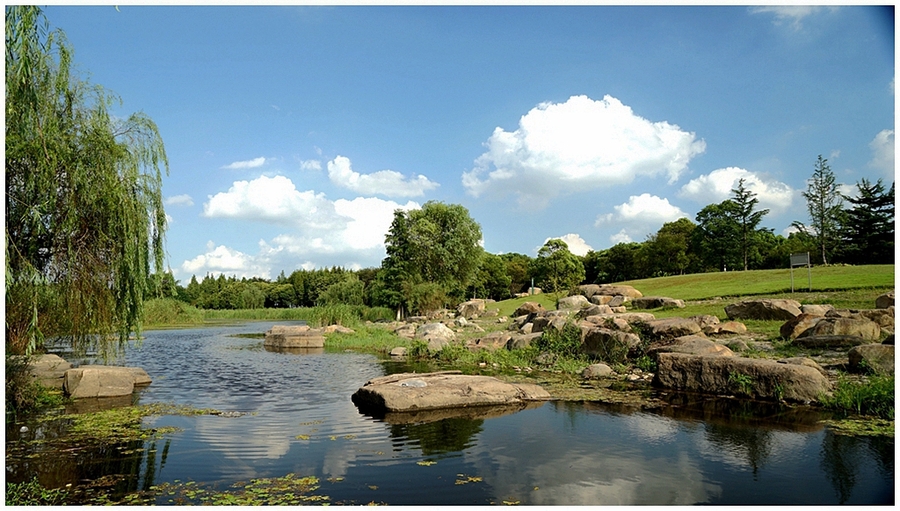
{"x": 84, "y": 213}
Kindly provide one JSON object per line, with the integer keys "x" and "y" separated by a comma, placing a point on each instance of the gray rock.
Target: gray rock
{"x": 521, "y": 341}
{"x": 399, "y": 351}
{"x": 829, "y": 341}
{"x": 860, "y": 327}
{"x": 693, "y": 345}
{"x": 726, "y": 328}
{"x": 449, "y": 389}
{"x": 470, "y": 309}
{"x": 49, "y": 370}
{"x": 98, "y": 381}
{"x": 596, "y": 371}
{"x": 619, "y": 290}
{"x": 670, "y": 328}
{"x": 803, "y": 361}
{"x": 656, "y": 302}
{"x": 794, "y": 327}
{"x": 610, "y": 345}
{"x": 601, "y": 299}
{"x": 575, "y": 302}
{"x": 884, "y": 301}
{"x": 437, "y": 335}
{"x": 876, "y": 357}
{"x": 775, "y": 309}
{"x": 294, "y": 336}
{"x": 816, "y": 310}
{"x": 757, "y": 378}
{"x": 491, "y": 342}
{"x": 705, "y": 320}
{"x": 528, "y": 308}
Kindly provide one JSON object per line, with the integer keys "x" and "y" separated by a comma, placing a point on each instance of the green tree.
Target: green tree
{"x": 85, "y": 221}
{"x": 349, "y": 291}
{"x": 438, "y": 244}
{"x": 747, "y": 218}
{"x": 823, "y": 201}
{"x": 669, "y": 251}
{"x": 517, "y": 271}
{"x": 594, "y": 264}
{"x": 491, "y": 280}
{"x": 716, "y": 236}
{"x": 868, "y": 231}
{"x": 555, "y": 268}
{"x": 620, "y": 262}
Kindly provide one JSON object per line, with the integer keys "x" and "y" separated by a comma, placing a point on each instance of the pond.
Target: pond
{"x": 298, "y": 418}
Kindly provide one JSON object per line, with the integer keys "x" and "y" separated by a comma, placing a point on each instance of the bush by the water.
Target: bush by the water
{"x": 169, "y": 311}
{"x": 22, "y": 394}
{"x": 872, "y": 396}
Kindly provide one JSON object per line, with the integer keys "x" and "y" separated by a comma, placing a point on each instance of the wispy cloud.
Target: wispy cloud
{"x": 579, "y": 145}
{"x": 882, "y": 147}
{"x": 179, "y": 200}
{"x": 790, "y": 14}
{"x": 247, "y": 164}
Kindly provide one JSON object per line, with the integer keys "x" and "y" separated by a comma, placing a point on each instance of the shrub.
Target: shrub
{"x": 873, "y": 396}
{"x": 565, "y": 342}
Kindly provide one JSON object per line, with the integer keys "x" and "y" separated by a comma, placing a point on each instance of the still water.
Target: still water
{"x": 298, "y": 418}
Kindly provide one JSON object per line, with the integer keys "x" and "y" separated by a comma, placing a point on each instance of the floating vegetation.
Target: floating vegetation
{"x": 426, "y": 463}
{"x": 464, "y": 479}
{"x": 869, "y": 426}
{"x": 288, "y": 490}
{"x": 302, "y": 437}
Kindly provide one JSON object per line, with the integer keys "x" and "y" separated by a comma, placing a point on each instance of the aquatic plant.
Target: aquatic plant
{"x": 31, "y": 493}
{"x": 873, "y": 396}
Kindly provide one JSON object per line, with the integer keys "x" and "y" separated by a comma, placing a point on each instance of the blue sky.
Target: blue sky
{"x": 293, "y": 132}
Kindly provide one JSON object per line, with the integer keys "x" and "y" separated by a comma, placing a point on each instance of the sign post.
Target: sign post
{"x": 801, "y": 260}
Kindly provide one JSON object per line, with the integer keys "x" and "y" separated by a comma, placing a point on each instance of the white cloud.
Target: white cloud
{"x": 311, "y": 165}
{"x": 576, "y": 146}
{"x": 576, "y": 244}
{"x": 317, "y": 232}
{"x": 882, "y": 147}
{"x": 792, "y": 14}
{"x": 247, "y": 164}
{"x": 716, "y": 186}
{"x": 389, "y": 183}
{"x": 180, "y": 200}
{"x": 221, "y": 259}
{"x": 276, "y": 200}
{"x": 642, "y": 215}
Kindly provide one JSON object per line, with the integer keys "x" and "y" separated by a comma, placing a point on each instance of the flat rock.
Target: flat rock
{"x": 294, "y": 336}
{"x": 758, "y": 378}
{"x": 618, "y": 290}
{"x": 829, "y": 341}
{"x": 99, "y": 381}
{"x": 596, "y": 371}
{"x": 693, "y": 345}
{"x": 528, "y": 308}
{"x": 656, "y": 302}
{"x": 794, "y": 327}
{"x": 670, "y": 328}
{"x": 775, "y": 309}
{"x": 573, "y": 302}
{"x": 854, "y": 326}
{"x": 803, "y": 361}
{"x": 470, "y": 309}
{"x": 449, "y": 389}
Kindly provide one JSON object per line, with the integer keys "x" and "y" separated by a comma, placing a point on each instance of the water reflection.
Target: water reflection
{"x": 299, "y": 418}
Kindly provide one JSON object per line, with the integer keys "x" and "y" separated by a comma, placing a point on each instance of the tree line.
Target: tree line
{"x": 434, "y": 257}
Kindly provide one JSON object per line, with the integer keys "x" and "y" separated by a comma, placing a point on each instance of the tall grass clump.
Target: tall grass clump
{"x": 23, "y": 395}
{"x": 873, "y": 396}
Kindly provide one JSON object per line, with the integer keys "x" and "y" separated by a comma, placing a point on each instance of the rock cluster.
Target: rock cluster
{"x": 87, "y": 381}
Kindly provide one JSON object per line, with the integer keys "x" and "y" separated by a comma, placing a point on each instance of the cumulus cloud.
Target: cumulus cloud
{"x": 248, "y": 164}
{"x": 882, "y": 147}
{"x": 389, "y": 183}
{"x": 179, "y": 200}
{"x": 221, "y": 259}
{"x": 576, "y": 244}
{"x": 716, "y": 186}
{"x": 275, "y": 200}
{"x": 316, "y": 231}
{"x": 579, "y": 145}
{"x": 641, "y": 215}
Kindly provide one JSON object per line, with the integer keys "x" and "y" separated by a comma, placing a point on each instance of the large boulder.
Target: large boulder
{"x": 860, "y": 327}
{"x": 437, "y": 335}
{"x": 449, "y": 389}
{"x": 528, "y": 308}
{"x": 756, "y": 378}
{"x": 294, "y": 336}
{"x": 656, "y": 302}
{"x": 601, "y": 299}
{"x": 103, "y": 381}
{"x": 774, "y": 309}
{"x": 596, "y": 371}
{"x": 589, "y": 290}
{"x": 594, "y": 310}
{"x": 406, "y": 330}
{"x": 521, "y": 341}
{"x": 876, "y": 357}
{"x": 816, "y": 310}
{"x": 693, "y": 345}
{"x": 670, "y": 328}
{"x": 49, "y": 370}
{"x": 470, "y": 309}
{"x": 792, "y": 328}
{"x": 575, "y": 302}
{"x": 726, "y": 328}
{"x": 618, "y": 290}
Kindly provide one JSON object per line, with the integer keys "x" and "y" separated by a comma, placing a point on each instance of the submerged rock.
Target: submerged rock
{"x": 298, "y": 336}
{"x": 448, "y": 389}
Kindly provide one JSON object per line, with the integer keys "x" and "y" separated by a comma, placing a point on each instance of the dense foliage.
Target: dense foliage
{"x": 84, "y": 212}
